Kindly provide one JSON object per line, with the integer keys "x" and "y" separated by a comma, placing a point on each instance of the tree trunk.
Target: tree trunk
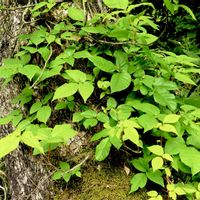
{"x": 28, "y": 176}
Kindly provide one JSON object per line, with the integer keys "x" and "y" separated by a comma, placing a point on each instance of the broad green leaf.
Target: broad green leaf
{"x": 115, "y": 137}
{"x": 156, "y": 149}
{"x": 144, "y": 107}
{"x": 77, "y": 75}
{"x": 171, "y": 118}
{"x": 156, "y": 177}
{"x": 173, "y": 146}
{"x": 35, "y": 107}
{"x": 50, "y": 38}
{"x": 30, "y": 71}
{"x": 131, "y": 134}
{"x": 97, "y": 29}
{"x": 45, "y": 52}
{"x": 165, "y": 98}
{"x": 38, "y": 36}
{"x": 9, "y": 143}
{"x": 164, "y": 84}
{"x": 102, "y": 117}
{"x": 122, "y": 4}
{"x": 167, "y": 157}
{"x": 120, "y": 81}
{"x": 85, "y": 89}
{"x": 29, "y": 139}
{"x": 121, "y": 60}
{"x": 102, "y": 63}
{"x": 141, "y": 164}
{"x": 57, "y": 175}
{"x": 66, "y": 177}
{"x": 157, "y": 163}
{"x": 169, "y": 6}
{"x": 152, "y": 193}
{"x": 168, "y": 128}
{"x": 90, "y": 123}
{"x": 194, "y": 140}
{"x": 184, "y": 78}
{"x": 77, "y": 117}
{"x": 103, "y": 149}
{"x": 101, "y": 134}
{"x": 120, "y": 34}
{"x": 89, "y": 114}
{"x": 30, "y": 49}
{"x": 111, "y": 103}
{"x": 61, "y": 105}
{"x": 147, "y": 121}
{"x": 63, "y": 133}
{"x": 43, "y": 114}
{"x": 190, "y": 157}
{"x": 76, "y": 14}
{"x": 65, "y": 90}
{"x": 138, "y": 181}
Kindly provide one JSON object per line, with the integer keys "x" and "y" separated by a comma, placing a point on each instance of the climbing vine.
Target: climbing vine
{"x": 108, "y": 73}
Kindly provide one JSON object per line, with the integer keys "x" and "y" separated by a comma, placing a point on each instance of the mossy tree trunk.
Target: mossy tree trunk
{"x": 28, "y": 177}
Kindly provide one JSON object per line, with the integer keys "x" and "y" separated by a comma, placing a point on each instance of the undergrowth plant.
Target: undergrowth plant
{"x": 108, "y": 74}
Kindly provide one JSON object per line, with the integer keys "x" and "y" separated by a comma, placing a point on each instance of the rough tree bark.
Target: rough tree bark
{"x": 28, "y": 176}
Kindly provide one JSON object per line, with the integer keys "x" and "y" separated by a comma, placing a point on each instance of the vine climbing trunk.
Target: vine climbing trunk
{"x": 28, "y": 176}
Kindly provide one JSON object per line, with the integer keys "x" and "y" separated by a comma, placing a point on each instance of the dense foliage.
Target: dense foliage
{"x": 127, "y": 74}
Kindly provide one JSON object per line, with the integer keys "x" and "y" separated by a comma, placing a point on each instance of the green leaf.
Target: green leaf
{"x": 169, "y": 6}
{"x": 45, "y": 52}
{"x": 76, "y": 14}
{"x": 156, "y": 149}
{"x": 103, "y": 149}
{"x": 116, "y": 4}
{"x": 165, "y": 98}
{"x": 186, "y": 8}
{"x": 102, "y": 64}
{"x": 35, "y": 107}
{"x": 184, "y": 78}
{"x": 101, "y": 134}
{"x": 138, "y": 181}
{"x": 102, "y": 117}
{"x": 120, "y": 81}
{"x": 157, "y": 163}
{"x": 147, "y": 121}
{"x": 90, "y": 123}
{"x": 38, "y": 36}
{"x": 171, "y": 118}
{"x": 173, "y": 146}
{"x": 57, "y": 175}
{"x": 111, "y": 103}
{"x": 120, "y": 34}
{"x": 77, "y": 117}
{"x": 64, "y": 166}
{"x": 85, "y": 89}
{"x": 141, "y": 164}
{"x": 168, "y": 128}
{"x": 44, "y": 113}
{"x": 194, "y": 140}
{"x": 156, "y": 177}
{"x": 65, "y": 90}
{"x": 115, "y": 137}
{"x": 29, "y": 139}
{"x": 190, "y": 157}
{"x": 30, "y": 71}
{"x": 9, "y": 143}
{"x": 63, "y": 133}
{"x": 77, "y": 75}
{"x": 144, "y": 107}
{"x": 131, "y": 134}
{"x": 66, "y": 177}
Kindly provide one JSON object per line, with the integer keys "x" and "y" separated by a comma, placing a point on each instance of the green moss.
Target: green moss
{"x": 104, "y": 184}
